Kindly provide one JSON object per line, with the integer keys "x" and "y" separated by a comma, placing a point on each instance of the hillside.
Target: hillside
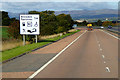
{"x": 86, "y": 14}
{"x": 89, "y": 14}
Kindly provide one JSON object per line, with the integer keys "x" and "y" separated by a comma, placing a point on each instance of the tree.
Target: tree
{"x": 60, "y": 29}
{"x": 14, "y": 30}
{"x": 48, "y": 23}
{"x": 99, "y": 23}
{"x": 65, "y": 21}
{"x": 5, "y": 18}
{"x": 13, "y": 19}
{"x": 84, "y": 23}
{"x": 107, "y": 23}
{"x": 51, "y": 24}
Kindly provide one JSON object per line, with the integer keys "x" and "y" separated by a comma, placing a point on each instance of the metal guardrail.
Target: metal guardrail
{"x": 118, "y": 32}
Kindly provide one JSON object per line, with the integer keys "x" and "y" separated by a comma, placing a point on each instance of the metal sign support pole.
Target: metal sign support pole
{"x": 36, "y": 38}
{"x": 23, "y": 39}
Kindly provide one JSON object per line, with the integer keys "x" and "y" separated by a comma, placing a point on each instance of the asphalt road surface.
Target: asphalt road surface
{"x": 94, "y": 54}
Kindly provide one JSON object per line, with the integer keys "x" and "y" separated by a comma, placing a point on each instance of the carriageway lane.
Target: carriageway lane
{"x": 86, "y": 59}
{"x": 26, "y": 65}
{"x": 109, "y": 46}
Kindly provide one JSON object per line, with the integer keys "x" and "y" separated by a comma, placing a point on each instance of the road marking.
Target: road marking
{"x": 103, "y": 56}
{"x": 100, "y": 49}
{"x": 99, "y": 45}
{"x": 44, "y": 66}
{"x": 111, "y": 35}
{"x": 107, "y": 69}
{"x": 104, "y": 62}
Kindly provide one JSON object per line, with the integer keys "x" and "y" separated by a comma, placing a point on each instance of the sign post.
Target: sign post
{"x": 29, "y": 25}
{"x": 24, "y": 40}
{"x": 36, "y": 38}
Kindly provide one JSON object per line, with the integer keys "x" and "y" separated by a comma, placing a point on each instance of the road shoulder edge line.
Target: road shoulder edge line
{"x": 44, "y": 66}
{"x": 32, "y": 50}
{"x": 110, "y": 34}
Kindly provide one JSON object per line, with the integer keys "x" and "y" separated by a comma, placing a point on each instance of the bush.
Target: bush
{"x": 107, "y": 23}
{"x": 14, "y": 30}
{"x": 49, "y": 24}
{"x": 30, "y": 38}
{"x": 60, "y": 29}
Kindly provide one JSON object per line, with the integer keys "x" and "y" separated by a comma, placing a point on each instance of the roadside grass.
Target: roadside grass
{"x": 3, "y": 30}
{"x": 12, "y": 43}
{"x": 8, "y": 54}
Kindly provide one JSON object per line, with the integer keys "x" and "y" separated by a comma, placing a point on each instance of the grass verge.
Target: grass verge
{"x": 8, "y": 54}
{"x": 4, "y": 32}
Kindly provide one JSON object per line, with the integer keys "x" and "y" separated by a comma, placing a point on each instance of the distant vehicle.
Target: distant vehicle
{"x": 89, "y": 27}
{"x": 102, "y": 27}
{"x": 109, "y": 27}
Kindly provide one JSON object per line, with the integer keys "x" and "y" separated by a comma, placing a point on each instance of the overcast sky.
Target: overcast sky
{"x": 59, "y": 0}
{"x": 21, "y": 7}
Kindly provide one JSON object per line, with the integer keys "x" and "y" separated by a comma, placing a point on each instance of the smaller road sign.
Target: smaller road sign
{"x": 29, "y": 24}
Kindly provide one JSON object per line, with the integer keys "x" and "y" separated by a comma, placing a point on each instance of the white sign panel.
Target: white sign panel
{"x": 29, "y": 24}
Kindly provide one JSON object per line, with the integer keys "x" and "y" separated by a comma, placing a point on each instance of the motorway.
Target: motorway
{"x": 87, "y": 54}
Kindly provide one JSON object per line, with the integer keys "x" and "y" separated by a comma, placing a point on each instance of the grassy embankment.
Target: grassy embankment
{"x": 3, "y": 30}
{"x": 8, "y": 43}
{"x": 7, "y": 54}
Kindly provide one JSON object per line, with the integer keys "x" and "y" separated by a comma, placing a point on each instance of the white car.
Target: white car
{"x": 102, "y": 27}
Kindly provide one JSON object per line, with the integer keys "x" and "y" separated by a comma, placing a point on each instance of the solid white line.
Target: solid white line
{"x": 107, "y": 68}
{"x": 110, "y": 34}
{"x": 103, "y": 56}
{"x": 39, "y": 70}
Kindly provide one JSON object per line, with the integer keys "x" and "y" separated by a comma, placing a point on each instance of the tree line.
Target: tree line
{"x": 98, "y": 23}
{"x": 49, "y": 24}
{"x": 5, "y": 19}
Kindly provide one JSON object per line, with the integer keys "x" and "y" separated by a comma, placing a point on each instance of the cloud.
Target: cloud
{"x": 22, "y": 7}
{"x": 0, "y": 6}
{"x": 60, "y": 0}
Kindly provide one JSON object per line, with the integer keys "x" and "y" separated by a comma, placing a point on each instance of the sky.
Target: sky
{"x": 59, "y": 0}
{"x": 23, "y": 7}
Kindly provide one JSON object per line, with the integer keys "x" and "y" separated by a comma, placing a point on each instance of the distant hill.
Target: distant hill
{"x": 86, "y": 14}
{"x": 89, "y": 14}
{"x": 15, "y": 15}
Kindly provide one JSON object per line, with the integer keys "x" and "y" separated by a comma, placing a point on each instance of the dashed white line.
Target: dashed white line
{"x": 103, "y": 56}
{"x": 107, "y": 69}
{"x": 44, "y": 66}
{"x": 99, "y": 45}
{"x": 100, "y": 49}
{"x": 104, "y": 62}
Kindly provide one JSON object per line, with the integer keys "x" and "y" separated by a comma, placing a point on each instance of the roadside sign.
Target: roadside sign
{"x": 29, "y": 24}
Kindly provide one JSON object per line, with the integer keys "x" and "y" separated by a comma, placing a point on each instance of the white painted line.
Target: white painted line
{"x": 104, "y": 62}
{"x": 111, "y": 35}
{"x": 107, "y": 68}
{"x": 103, "y": 56}
{"x": 44, "y": 66}
{"x": 99, "y": 45}
{"x": 100, "y": 49}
